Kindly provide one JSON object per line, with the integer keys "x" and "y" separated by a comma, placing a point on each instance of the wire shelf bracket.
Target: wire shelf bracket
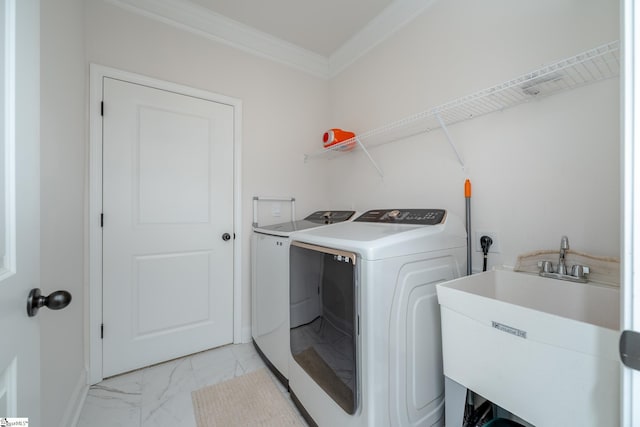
{"x": 373, "y": 162}
{"x": 450, "y": 140}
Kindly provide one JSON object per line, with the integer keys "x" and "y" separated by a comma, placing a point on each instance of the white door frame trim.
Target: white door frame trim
{"x": 630, "y": 245}
{"x": 93, "y": 298}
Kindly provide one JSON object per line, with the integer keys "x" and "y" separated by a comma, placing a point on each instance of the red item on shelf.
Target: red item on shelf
{"x": 336, "y": 136}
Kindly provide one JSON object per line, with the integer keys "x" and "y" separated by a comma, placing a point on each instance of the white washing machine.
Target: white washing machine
{"x": 365, "y": 322}
{"x": 270, "y": 286}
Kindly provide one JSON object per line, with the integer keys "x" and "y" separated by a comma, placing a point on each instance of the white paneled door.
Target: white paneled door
{"x": 19, "y": 208}
{"x": 167, "y": 225}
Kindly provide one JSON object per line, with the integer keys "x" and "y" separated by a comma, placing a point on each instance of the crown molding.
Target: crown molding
{"x": 204, "y": 22}
{"x": 395, "y": 16}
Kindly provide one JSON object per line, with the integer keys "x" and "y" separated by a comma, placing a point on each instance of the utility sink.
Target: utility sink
{"x": 543, "y": 349}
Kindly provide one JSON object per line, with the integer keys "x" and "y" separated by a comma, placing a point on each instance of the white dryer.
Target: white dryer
{"x": 365, "y": 322}
{"x": 270, "y": 286}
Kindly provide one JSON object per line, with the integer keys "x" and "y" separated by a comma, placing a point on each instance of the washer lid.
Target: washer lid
{"x": 316, "y": 219}
{"x": 286, "y": 228}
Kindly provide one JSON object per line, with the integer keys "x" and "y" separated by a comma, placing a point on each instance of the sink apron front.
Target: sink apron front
{"x": 547, "y": 369}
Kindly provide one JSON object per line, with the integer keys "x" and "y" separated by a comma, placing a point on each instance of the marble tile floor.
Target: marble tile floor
{"x": 160, "y": 395}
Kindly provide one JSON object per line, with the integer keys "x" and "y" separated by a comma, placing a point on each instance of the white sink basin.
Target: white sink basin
{"x": 544, "y": 349}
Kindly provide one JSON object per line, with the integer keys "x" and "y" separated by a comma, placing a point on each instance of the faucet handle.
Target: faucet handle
{"x": 579, "y": 270}
{"x": 545, "y": 266}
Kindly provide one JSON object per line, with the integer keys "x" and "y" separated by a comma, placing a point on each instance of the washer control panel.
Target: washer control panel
{"x": 404, "y": 216}
{"x": 330, "y": 217}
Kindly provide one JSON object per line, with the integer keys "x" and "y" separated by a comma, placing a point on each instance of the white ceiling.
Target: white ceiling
{"x": 320, "y": 37}
{"x": 321, "y": 26}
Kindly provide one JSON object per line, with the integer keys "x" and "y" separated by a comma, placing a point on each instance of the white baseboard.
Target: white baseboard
{"x": 76, "y": 401}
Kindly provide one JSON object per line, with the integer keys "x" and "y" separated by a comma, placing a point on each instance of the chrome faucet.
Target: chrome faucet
{"x": 578, "y": 273}
{"x": 564, "y": 246}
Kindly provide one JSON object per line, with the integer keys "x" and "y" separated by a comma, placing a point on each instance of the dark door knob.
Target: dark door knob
{"x": 226, "y": 236}
{"x": 55, "y": 301}
{"x": 630, "y": 349}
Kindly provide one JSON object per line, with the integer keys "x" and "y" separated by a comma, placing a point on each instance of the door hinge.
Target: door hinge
{"x": 102, "y": 108}
{"x": 101, "y": 220}
{"x": 102, "y": 331}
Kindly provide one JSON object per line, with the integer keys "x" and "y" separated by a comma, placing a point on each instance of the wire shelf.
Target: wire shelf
{"x": 594, "y": 65}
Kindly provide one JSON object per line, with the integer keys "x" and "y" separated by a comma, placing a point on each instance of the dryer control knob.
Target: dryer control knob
{"x": 394, "y": 214}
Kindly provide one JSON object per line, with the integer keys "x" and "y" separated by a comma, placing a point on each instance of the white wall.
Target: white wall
{"x": 538, "y": 171}
{"x": 62, "y": 183}
{"x": 281, "y": 106}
